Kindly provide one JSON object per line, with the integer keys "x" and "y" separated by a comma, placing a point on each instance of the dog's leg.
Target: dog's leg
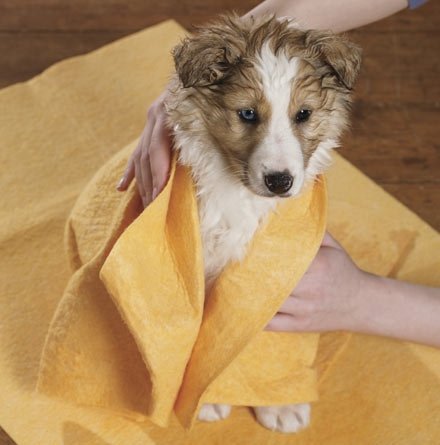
{"x": 211, "y": 412}
{"x": 284, "y": 418}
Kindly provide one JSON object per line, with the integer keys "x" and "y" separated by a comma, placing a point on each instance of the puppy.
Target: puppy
{"x": 256, "y": 107}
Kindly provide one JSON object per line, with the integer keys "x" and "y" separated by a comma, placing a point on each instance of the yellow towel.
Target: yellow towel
{"x": 155, "y": 275}
{"x": 55, "y": 132}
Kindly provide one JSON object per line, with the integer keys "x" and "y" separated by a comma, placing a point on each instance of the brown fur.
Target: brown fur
{"x": 330, "y": 109}
{"x": 225, "y": 46}
{"x": 216, "y": 78}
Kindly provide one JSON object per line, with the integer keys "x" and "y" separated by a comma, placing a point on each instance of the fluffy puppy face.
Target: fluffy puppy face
{"x": 272, "y": 99}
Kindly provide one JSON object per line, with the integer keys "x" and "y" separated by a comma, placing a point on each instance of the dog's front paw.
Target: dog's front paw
{"x": 284, "y": 418}
{"x": 211, "y": 412}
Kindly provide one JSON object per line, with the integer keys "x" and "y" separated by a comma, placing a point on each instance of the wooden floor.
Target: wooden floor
{"x": 396, "y": 129}
{"x": 394, "y": 138}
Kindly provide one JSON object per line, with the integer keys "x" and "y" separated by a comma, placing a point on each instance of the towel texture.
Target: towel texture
{"x": 56, "y": 132}
{"x": 192, "y": 350}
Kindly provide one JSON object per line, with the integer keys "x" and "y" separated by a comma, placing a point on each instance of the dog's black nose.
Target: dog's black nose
{"x": 278, "y": 182}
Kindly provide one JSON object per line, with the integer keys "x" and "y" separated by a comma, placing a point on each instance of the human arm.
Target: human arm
{"x": 335, "y": 294}
{"x": 336, "y": 15}
{"x": 150, "y": 161}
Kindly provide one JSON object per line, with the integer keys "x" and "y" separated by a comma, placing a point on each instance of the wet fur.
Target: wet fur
{"x": 237, "y": 63}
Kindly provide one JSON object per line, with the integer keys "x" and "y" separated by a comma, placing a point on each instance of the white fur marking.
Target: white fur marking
{"x": 280, "y": 150}
{"x": 320, "y": 159}
{"x": 284, "y": 418}
{"x": 229, "y": 212}
{"x": 211, "y": 412}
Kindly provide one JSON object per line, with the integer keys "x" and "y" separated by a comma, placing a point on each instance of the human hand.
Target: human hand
{"x": 150, "y": 161}
{"x": 326, "y": 298}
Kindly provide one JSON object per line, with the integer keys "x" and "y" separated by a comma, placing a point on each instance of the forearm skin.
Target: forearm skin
{"x": 335, "y": 15}
{"x": 399, "y": 310}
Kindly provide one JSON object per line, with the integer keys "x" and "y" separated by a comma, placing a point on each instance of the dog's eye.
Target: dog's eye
{"x": 302, "y": 115}
{"x": 248, "y": 115}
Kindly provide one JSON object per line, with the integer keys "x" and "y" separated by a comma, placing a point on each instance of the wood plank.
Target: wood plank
{"x": 400, "y": 68}
{"x": 407, "y": 72}
{"x": 394, "y": 136}
{"x": 81, "y": 15}
{"x": 28, "y": 54}
{"x": 394, "y": 144}
{"x": 4, "y": 438}
{"x": 84, "y": 15}
{"x": 422, "y": 199}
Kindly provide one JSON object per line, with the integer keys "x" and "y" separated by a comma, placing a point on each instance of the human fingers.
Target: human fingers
{"x": 285, "y": 323}
{"x": 296, "y": 306}
{"x": 141, "y": 148}
{"x": 329, "y": 241}
{"x": 143, "y": 178}
{"x": 160, "y": 155}
{"x": 143, "y": 172}
{"x": 128, "y": 175}
{"x": 324, "y": 265}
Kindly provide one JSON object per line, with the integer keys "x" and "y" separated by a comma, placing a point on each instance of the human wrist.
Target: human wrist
{"x": 398, "y": 309}
{"x": 371, "y": 301}
{"x": 325, "y": 14}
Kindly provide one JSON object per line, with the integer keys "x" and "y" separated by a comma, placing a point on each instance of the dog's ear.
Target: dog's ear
{"x": 337, "y": 52}
{"x": 204, "y": 60}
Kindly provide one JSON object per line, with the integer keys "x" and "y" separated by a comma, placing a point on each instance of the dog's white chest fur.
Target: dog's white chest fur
{"x": 229, "y": 217}
{"x": 229, "y": 213}
{"x": 263, "y": 102}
